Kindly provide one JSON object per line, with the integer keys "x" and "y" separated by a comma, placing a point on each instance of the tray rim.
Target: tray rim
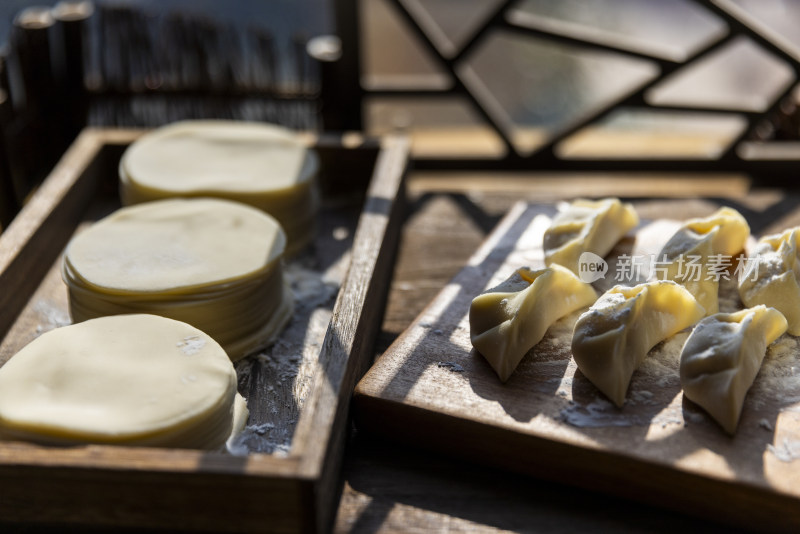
{"x": 325, "y": 411}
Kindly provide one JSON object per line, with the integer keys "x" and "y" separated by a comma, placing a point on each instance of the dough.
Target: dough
{"x": 212, "y": 263}
{"x": 587, "y": 226}
{"x": 128, "y": 379}
{"x": 687, "y": 263}
{"x": 508, "y": 320}
{"x": 613, "y": 337}
{"x": 722, "y": 357}
{"x": 687, "y": 256}
{"x": 772, "y": 277}
{"x": 259, "y": 164}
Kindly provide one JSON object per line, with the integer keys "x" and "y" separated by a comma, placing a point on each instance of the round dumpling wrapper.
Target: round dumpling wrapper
{"x": 138, "y": 379}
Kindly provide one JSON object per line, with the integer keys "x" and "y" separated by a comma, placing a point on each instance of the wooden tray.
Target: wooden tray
{"x": 294, "y": 489}
{"x": 431, "y": 389}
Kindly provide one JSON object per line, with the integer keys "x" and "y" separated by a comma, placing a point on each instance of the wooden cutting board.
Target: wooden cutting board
{"x": 431, "y": 389}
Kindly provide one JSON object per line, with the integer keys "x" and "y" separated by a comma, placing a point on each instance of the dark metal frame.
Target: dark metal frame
{"x": 767, "y": 161}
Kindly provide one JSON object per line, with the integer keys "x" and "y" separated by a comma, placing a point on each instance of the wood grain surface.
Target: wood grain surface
{"x": 550, "y": 421}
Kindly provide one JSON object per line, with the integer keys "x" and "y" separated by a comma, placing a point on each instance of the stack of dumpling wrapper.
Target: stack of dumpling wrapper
{"x": 127, "y": 380}
{"x": 262, "y": 165}
{"x": 212, "y": 263}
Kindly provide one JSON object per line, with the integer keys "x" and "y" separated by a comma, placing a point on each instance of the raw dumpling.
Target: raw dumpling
{"x": 772, "y": 275}
{"x": 613, "y": 337}
{"x": 587, "y": 226}
{"x": 722, "y": 356}
{"x": 508, "y": 320}
{"x": 689, "y": 254}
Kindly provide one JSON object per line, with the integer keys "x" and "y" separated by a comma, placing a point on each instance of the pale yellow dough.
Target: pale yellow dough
{"x": 175, "y": 245}
{"x": 259, "y": 164}
{"x": 587, "y": 226}
{"x": 510, "y": 319}
{"x": 212, "y": 263}
{"x": 772, "y": 276}
{"x": 722, "y": 356}
{"x": 128, "y": 379}
{"x": 613, "y": 337}
{"x": 688, "y": 255}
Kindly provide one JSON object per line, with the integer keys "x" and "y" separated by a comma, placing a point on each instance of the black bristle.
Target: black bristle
{"x": 124, "y": 66}
{"x": 155, "y": 69}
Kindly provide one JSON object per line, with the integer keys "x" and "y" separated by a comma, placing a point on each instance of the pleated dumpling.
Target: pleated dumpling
{"x": 688, "y": 256}
{"x": 509, "y": 319}
{"x": 587, "y": 226}
{"x": 613, "y": 337}
{"x": 772, "y": 275}
{"x": 722, "y": 356}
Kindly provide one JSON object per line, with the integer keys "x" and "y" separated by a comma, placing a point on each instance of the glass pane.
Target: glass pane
{"x": 740, "y": 76}
{"x": 781, "y": 17}
{"x": 671, "y": 29}
{"x": 449, "y": 23}
{"x": 629, "y": 133}
{"x": 438, "y": 127}
{"x": 536, "y": 88}
{"x": 392, "y": 55}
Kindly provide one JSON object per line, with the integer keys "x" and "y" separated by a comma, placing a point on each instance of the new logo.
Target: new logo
{"x": 591, "y": 267}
